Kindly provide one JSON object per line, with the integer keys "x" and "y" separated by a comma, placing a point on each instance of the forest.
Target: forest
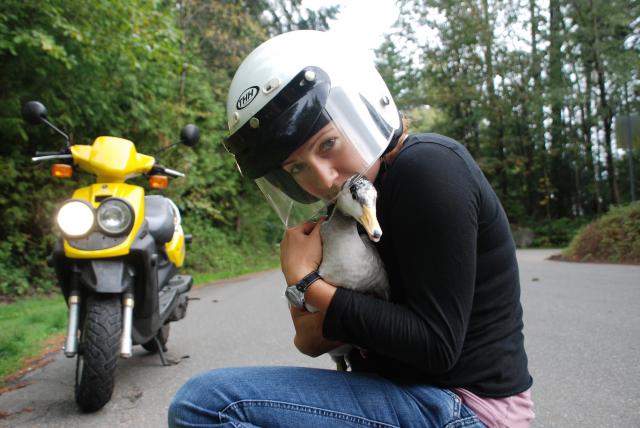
{"x": 536, "y": 90}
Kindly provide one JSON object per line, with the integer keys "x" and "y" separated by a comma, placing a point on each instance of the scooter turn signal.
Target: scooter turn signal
{"x": 61, "y": 170}
{"x": 158, "y": 181}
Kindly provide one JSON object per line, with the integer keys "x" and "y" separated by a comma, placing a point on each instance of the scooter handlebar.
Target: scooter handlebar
{"x": 43, "y": 157}
{"x": 166, "y": 171}
{"x": 47, "y": 153}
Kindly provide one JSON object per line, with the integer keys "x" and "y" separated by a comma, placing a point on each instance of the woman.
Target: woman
{"x": 447, "y": 349}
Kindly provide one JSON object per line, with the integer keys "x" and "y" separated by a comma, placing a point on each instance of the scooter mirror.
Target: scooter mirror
{"x": 34, "y": 112}
{"x": 190, "y": 135}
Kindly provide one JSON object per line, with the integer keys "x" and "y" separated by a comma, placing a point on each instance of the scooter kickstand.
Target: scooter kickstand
{"x": 161, "y": 348}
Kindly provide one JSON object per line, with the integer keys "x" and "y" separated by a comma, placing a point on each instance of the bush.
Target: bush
{"x": 613, "y": 238}
{"x": 556, "y": 233}
{"x": 234, "y": 244}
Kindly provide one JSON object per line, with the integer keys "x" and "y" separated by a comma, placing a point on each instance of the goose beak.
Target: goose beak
{"x": 370, "y": 223}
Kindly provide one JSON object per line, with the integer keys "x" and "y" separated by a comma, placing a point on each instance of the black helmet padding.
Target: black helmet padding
{"x": 283, "y": 125}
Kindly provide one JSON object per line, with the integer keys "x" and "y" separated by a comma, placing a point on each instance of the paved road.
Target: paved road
{"x": 582, "y": 335}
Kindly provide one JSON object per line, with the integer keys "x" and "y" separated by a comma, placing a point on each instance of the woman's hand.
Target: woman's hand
{"x": 308, "y": 338}
{"x": 301, "y": 251}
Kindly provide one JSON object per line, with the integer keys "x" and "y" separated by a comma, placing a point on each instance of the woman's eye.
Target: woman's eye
{"x": 327, "y": 145}
{"x": 296, "y": 169}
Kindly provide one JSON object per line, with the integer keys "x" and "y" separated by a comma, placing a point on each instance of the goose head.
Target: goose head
{"x": 357, "y": 199}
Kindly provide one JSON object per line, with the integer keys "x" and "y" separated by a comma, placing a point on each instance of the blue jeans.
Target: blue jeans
{"x": 304, "y": 397}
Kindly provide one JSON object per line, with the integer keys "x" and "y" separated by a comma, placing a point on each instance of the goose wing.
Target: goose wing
{"x": 350, "y": 260}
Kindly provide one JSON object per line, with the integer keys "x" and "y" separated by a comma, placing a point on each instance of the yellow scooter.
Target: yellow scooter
{"x": 117, "y": 259}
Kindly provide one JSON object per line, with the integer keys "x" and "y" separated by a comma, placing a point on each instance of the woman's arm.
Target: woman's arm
{"x": 308, "y": 338}
{"x": 429, "y": 208}
{"x": 300, "y": 254}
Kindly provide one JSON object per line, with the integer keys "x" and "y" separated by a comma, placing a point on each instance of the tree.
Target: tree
{"x": 283, "y": 16}
{"x": 534, "y": 111}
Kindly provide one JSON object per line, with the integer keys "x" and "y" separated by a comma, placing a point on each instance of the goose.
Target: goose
{"x": 350, "y": 259}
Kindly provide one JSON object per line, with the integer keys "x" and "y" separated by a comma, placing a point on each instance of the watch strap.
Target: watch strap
{"x": 305, "y": 282}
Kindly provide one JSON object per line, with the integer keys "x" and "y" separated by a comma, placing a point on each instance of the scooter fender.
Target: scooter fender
{"x": 112, "y": 275}
{"x": 107, "y": 275}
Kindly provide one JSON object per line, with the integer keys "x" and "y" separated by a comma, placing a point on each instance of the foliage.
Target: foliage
{"x": 556, "y": 233}
{"x": 112, "y": 69}
{"x": 530, "y": 88}
{"x": 218, "y": 249}
{"x": 139, "y": 70}
{"x": 288, "y": 15}
{"x": 614, "y": 238}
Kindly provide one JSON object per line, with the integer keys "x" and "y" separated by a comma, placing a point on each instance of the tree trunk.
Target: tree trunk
{"x": 586, "y": 121}
{"x": 182, "y": 24}
{"x": 605, "y": 111}
{"x": 602, "y": 206}
{"x": 536, "y": 151}
{"x": 578, "y": 210}
{"x": 495, "y": 114}
{"x": 556, "y": 99}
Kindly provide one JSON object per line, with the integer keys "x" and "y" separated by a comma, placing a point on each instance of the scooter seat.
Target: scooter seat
{"x": 159, "y": 216}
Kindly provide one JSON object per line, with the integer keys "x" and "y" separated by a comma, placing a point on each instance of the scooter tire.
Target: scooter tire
{"x": 99, "y": 351}
{"x": 163, "y": 336}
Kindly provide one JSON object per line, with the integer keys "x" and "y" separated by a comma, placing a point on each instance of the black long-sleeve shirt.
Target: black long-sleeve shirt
{"x": 454, "y": 318}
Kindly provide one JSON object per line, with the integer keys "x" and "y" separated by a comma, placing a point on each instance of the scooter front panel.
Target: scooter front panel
{"x": 100, "y": 245}
{"x": 175, "y": 248}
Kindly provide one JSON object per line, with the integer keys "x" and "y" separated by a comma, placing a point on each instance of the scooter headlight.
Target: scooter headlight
{"x": 75, "y": 218}
{"x": 115, "y": 216}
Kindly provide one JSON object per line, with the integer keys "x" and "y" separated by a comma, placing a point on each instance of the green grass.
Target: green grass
{"x": 24, "y": 328}
{"x": 205, "y": 278}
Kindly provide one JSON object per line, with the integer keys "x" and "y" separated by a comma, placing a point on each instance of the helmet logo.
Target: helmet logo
{"x": 246, "y": 97}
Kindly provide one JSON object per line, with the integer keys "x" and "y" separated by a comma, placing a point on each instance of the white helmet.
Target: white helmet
{"x": 286, "y": 90}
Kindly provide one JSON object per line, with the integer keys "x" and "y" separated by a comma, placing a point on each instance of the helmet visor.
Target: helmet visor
{"x": 347, "y": 139}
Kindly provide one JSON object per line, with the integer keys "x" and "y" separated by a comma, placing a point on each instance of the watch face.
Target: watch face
{"x": 295, "y": 297}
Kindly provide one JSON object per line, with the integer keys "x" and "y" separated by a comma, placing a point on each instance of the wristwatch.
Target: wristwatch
{"x": 295, "y": 293}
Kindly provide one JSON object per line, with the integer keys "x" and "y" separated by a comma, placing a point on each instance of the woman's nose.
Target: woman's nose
{"x": 326, "y": 174}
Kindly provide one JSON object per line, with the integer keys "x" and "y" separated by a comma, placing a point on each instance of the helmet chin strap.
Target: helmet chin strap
{"x": 395, "y": 138}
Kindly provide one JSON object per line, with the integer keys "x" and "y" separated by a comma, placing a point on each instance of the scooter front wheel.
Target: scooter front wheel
{"x": 99, "y": 350}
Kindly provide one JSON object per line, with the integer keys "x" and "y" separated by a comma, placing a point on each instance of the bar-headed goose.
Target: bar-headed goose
{"x": 350, "y": 259}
